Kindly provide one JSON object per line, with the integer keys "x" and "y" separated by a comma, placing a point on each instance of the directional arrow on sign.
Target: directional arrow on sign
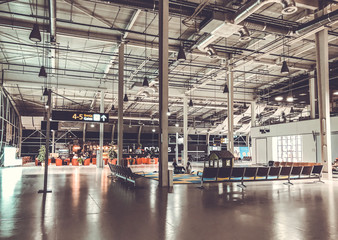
{"x": 103, "y": 117}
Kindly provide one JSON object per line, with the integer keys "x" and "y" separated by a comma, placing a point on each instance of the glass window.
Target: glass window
{"x": 289, "y": 148}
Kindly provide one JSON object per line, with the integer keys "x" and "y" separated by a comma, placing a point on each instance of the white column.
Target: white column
{"x": 230, "y": 110}
{"x": 53, "y": 141}
{"x": 120, "y": 106}
{"x": 185, "y": 131}
{"x": 99, "y": 162}
{"x": 163, "y": 91}
{"x": 253, "y": 114}
{"x": 176, "y": 152}
{"x": 208, "y": 143}
{"x": 312, "y": 96}
{"x": 322, "y": 55}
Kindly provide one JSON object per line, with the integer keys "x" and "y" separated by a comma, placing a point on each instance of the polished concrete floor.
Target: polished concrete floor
{"x": 86, "y": 204}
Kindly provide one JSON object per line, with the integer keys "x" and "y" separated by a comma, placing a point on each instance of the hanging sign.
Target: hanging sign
{"x": 80, "y": 116}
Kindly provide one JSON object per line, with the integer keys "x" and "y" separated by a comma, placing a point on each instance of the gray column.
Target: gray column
{"x": 208, "y": 143}
{"x": 112, "y": 133}
{"x": 185, "y": 131}
{"x": 253, "y": 114}
{"x": 120, "y": 106}
{"x": 230, "y": 146}
{"x": 312, "y": 96}
{"x": 53, "y": 141}
{"x": 45, "y": 180}
{"x": 139, "y": 135}
{"x": 163, "y": 91}
{"x": 176, "y": 147}
{"x": 322, "y": 55}
{"x": 84, "y": 133}
{"x": 99, "y": 162}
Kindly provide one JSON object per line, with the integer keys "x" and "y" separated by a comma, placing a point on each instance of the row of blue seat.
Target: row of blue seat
{"x": 241, "y": 174}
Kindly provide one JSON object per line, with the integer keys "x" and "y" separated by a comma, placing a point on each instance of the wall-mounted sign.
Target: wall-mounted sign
{"x": 80, "y": 116}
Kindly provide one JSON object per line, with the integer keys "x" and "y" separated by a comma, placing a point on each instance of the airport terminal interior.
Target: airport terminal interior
{"x": 169, "y": 119}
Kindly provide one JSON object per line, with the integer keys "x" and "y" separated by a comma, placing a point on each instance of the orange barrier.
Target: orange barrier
{"x": 138, "y": 160}
{"x": 86, "y": 162}
{"x": 105, "y": 161}
{"x": 68, "y": 161}
{"x": 94, "y": 161}
{"x": 75, "y": 162}
{"x": 156, "y": 160}
{"x": 58, "y": 162}
{"x": 295, "y": 164}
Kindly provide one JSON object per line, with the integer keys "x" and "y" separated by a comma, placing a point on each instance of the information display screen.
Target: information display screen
{"x": 80, "y": 116}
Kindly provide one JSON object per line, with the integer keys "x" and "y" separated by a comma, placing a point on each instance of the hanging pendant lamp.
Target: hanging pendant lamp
{"x": 292, "y": 110}
{"x": 113, "y": 107}
{"x": 226, "y": 89}
{"x": 145, "y": 82}
{"x": 285, "y": 68}
{"x": 125, "y": 99}
{"x": 181, "y": 54}
{"x": 35, "y": 35}
{"x": 43, "y": 72}
{"x": 191, "y": 104}
{"x": 45, "y": 92}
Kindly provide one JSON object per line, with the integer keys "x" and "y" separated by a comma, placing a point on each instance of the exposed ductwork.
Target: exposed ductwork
{"x": 317, "y": 22}
{"x": 225, "y": 26}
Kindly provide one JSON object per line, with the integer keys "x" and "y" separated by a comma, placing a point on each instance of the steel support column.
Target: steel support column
{"x": 185, "y": 131}
{"x": 48, "y": 110}
{"x": 163, "y": 91}
{"x": 208, "y": 143}
{"x": 230, "y": 78}
{"x": 120, "y": 106}
{"x": 322, "y": 55}
{"x": 176, "y": 147}
{"x": 312, "y": 89}
{"x": 99, "y": 162}
{"x": 53, "y": 141}
{"x": 84, "y": 133}
{"x": 253, "y": 114}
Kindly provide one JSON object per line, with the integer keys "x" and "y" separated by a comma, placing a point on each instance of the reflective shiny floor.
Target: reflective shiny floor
{"x": 86, "y": 204}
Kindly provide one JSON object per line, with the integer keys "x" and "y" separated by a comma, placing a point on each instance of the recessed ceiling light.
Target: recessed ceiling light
{"x": 335, "y": 93}
{"x": 303, "y": 94}
{"x": 279, "y": 98}
{"x": 177, "y": 125}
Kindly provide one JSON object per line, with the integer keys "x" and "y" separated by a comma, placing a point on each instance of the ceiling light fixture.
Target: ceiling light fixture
{"x": 285, "y": 68}
{"x": 43, "y": 72}
{"x": 191, "y": 104}
{"x": 289, "y": 7}
{"x": 125, "y": 99}
{"x": 92, "y": 125}
{"x": 145, "y": 82}
{"x": 226, "y": 89}
{"x": 168, "y": 113}
{"x": 244, "y": 35}
{"x": 279, "y": 98}
{"x": 289, "y": 99}
{"x": 177, "y": 125}
{"x": 45, "y": 92}
{"x": 335, "y": 93}
{"x": 35, "y": 34}
{"x": 292, "y": 110}
{"x": 153, "y": 130}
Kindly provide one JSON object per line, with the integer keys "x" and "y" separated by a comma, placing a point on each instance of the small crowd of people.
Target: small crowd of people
{"x": 181, "y": 169}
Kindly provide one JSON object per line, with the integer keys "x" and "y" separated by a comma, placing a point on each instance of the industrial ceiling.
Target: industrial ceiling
{"x": 79, "y": 49}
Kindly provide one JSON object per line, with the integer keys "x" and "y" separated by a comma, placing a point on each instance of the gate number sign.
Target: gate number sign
{"x": 79, "y": 116}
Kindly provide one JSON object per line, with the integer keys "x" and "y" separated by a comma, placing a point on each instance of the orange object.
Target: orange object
{"x": 105, "y": 161}
{"x": 138, "y": 160}
{"x": 75, "y": 162}
{"x": 58, "y": 162}
{"x": 94, "y": 161}
{"x": 156, "y": 160}
{"x": 86, "y": 162}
